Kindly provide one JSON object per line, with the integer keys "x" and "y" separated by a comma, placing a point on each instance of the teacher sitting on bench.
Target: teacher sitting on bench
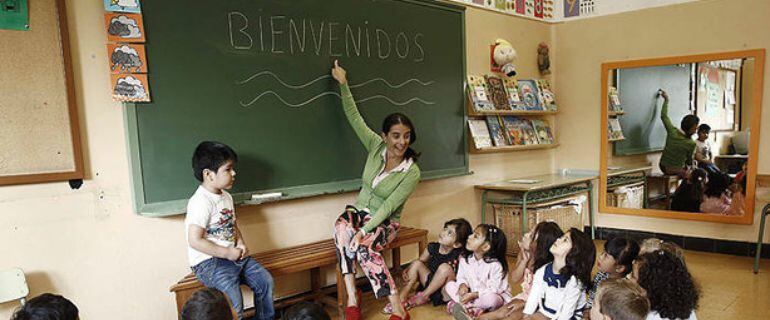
{"x": 679, "y": 151}
{"x": 390, "y": 176}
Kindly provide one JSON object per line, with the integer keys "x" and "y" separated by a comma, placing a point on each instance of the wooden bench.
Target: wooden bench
{"x": 312, "y": 257}
{"x": 667, "y": 183}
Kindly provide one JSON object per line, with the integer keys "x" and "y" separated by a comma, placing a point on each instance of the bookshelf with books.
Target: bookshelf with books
{"x": 614, "y": 130}
{"x": 509, "y": 115}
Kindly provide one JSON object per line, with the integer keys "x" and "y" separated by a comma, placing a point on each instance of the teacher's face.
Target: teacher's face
{"x": 397, "y": 139}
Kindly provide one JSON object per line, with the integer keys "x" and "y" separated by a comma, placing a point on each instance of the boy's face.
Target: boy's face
{"x": 223, "y": 178}
{"x": 448, "y": 237}
{"x": 607, "y": 263}
{"x": 703, "y": 135}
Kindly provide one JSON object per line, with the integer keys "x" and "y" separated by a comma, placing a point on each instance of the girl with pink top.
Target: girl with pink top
{"x": 533, "y": 253}
{"x": 482, "y": 276}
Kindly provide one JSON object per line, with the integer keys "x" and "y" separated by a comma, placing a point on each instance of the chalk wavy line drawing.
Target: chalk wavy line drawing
{"x": 394, "y": 102}
{"x": 300, "y": 86}
{"x": 393, "y": 86}
{"x": 331, "y": 93}
{"x": 357, "y": 85}
{"x": 327, "y": 93}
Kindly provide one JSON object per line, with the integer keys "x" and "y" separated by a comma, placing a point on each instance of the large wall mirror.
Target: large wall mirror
{"x": 680, "y": 136}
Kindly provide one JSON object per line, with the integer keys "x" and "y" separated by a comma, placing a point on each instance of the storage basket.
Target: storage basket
{"x": 566, "y": 212}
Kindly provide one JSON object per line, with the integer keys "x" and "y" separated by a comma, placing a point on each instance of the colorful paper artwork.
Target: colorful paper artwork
{"x": 127, "y": 58}
{"x": 124, "y": 27}
{"x": 539, "y": 9}
{"x": 130, "y": 88}
{"x": 129, "y": 6}
{"x": 520, "y": 6}
{"x": 571, "y": 8}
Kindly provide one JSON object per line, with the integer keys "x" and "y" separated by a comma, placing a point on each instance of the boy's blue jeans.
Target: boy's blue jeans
{"x": 227, "y": 276}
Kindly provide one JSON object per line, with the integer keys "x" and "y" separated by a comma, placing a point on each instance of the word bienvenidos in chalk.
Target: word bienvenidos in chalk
{"x": 280, "y": 34}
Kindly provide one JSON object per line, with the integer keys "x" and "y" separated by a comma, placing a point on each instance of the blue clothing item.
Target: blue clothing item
{"x": 227, "y": 276}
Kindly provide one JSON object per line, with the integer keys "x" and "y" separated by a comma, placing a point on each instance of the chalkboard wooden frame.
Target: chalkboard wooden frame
{"x": 78, "y": 171}
{"x": 174, "y": 207}
{"x": 759, "y": 71}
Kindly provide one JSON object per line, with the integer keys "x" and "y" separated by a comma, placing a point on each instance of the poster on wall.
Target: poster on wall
{"x": 571, "y": 8}
{"x": 124, "y": 27}
{"x": 127, "y": 58}
{"x": 130, "y": 88}
{"x": 130, "y": 6}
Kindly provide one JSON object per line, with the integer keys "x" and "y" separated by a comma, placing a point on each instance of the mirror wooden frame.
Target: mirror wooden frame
{"x": 759, "y": 71}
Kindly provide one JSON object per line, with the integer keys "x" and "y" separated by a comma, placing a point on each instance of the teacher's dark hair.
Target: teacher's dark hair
{"x": 399, "y": 118}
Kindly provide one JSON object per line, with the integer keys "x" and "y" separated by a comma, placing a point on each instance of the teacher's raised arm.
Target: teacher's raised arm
{"x": 390, "y": 176}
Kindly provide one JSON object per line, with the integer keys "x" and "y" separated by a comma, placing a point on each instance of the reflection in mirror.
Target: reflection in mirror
{"x": 678, "y": 136}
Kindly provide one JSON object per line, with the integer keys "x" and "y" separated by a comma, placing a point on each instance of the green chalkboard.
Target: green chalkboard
{"x": 638, "y": 89}
{"x": 255, "y": 75}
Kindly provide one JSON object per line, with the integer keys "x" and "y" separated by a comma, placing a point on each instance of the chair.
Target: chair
{"x": 765, "y": 212}
{"x": 13, "y": 286}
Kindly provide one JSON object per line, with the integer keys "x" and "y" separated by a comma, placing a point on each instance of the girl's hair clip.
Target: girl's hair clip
{"x": 493, "y": 230}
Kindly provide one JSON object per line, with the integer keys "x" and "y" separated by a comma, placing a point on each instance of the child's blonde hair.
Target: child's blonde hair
{"x": 623, "y": 299}
{"x": 655, "y": 244}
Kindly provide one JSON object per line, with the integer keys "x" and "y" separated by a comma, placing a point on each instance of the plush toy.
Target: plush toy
{"x": 543, "y": 62}
{"x": 503, "y": 55}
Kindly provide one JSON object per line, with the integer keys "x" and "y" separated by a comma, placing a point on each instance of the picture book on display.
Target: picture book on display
{"x": 615, "y": 131}
{"x": 513, "y": 94}
{"x": 520, "y": 131}
{"x": 496, "y": 92}
{"x": 480, "y": 133}
{"x": 614, "y": 97}
{"x": 543, "y": 130}
{"x": 496, "y": 131}
{"x": 546, "y": 94}
{"x": 478, "y": 94}
{"x": 530, "y": 94}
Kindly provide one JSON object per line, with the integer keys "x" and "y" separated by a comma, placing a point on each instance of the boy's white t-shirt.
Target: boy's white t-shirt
{"x": 703, "y": 148}
{"x": 214, "y": 213}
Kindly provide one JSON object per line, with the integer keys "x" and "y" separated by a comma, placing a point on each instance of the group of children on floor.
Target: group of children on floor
{"x": 470, "y": 273}
{"x": 704, "y": 188}
{"x": 707, "y": 189}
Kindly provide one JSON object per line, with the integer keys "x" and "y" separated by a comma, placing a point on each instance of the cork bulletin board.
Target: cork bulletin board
{"x": 39, "y": 134}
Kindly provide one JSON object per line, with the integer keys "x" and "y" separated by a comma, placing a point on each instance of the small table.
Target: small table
{"x": 723, "y": 162}
{"x": 547, "y": 188}
{"x": 622, "y": 176}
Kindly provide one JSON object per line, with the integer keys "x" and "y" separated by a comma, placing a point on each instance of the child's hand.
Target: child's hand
{"x": 468, "y": 297}
{"x": 233, "y": 254}
{"x": 339, "y": 74}
{"x": 244, "y": 250}
{"x": 463, "y": 290}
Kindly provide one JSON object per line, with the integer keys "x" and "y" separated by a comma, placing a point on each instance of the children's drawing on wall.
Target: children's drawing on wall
{"x": 127, "y": 58}
{"x": 130, "y": 6}
{"x": 130, "y": 88}
{"x": 124, "y": 27}
{"x": 571, "y": 8}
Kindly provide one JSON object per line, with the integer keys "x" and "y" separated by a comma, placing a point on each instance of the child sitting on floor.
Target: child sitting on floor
{"x": 559, "y": 288}
{"x": 436, "y": 266}
{"x": 482, "y": 276}
{"x": 620, "y": 299}
{"x": 534, "y": 252}
{"x": 614, "y": 263}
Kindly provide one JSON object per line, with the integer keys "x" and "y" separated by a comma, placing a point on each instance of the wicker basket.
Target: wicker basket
{"x": 566, "y": 215}
{"x": 631, "y": 196}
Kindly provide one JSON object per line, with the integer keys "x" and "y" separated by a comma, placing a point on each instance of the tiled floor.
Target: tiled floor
{"x": 729, "y": 290}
